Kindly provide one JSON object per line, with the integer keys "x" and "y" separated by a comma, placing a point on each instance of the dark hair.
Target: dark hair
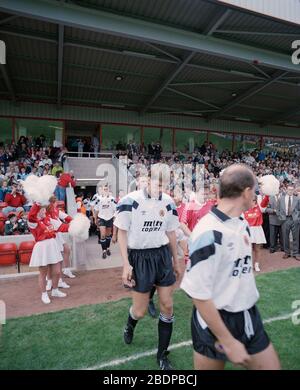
{"x": 235, "y": 180}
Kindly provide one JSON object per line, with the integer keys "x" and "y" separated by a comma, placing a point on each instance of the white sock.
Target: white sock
{"x": 60, "y": 280}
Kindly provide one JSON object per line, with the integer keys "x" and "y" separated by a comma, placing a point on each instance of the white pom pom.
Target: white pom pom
{"x": 79, "y": 227}
{"x": 39, "y": 189}
{"x": 269, "y": 185}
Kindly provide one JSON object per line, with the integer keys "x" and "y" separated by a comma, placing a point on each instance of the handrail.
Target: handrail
{"x": 88, "y": 154}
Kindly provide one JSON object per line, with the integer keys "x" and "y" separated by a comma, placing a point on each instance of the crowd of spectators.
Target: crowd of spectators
{"x": 283, "y": 165}
{"x": 18, "y": 160}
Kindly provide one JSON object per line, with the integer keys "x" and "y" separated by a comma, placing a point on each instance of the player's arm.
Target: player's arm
{"x": 95, "y": 212}
{"x": 173, "y": 246}
{"x": 226, "y": 343}
{"x": 127, "y": 268}
{"x": 123, "y": 223}
{"x": 185, "y": 229}
{"x": 115, "y": 234}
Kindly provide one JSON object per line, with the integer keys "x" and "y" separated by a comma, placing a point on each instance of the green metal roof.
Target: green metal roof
{"x": 159, "y": 73}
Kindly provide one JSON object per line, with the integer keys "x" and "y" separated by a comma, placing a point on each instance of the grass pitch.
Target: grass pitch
{"x": 91, "y": 336}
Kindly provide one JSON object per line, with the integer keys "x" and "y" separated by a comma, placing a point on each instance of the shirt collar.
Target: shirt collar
{"x": 223, "y": 217}
{"x": 148, "y": 196}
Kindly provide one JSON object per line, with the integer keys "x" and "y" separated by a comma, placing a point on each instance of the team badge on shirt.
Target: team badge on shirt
{"x": 161, "y": 213}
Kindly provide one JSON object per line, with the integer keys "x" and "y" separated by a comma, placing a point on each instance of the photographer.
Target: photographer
{"x": 15, "y": 200}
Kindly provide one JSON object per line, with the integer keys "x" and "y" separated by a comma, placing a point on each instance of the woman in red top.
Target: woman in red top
{"x": 254, "y": 218}
{"x": 46, "y": 251}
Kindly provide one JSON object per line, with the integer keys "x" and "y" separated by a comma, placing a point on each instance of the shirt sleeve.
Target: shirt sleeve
{"x": 172, "y": 218}
{"x": 205, "y": 254}
{"x": 124, "y": 213}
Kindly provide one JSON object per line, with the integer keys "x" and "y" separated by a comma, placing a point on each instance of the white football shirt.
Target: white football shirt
{"x": 220, "y": 266}
{"x": 146, "y": 219}
{"x": 105, "y": 207}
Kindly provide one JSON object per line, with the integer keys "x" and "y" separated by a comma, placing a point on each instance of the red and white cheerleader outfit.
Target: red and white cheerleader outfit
{"x": 254, "y": 218}
{"x": 60, "y": 222}
{"x": 46, "y": 250}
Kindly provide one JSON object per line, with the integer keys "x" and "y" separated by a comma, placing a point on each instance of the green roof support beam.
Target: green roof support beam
{"x": 105, "y": 22}
{"x": 247, "y": 94}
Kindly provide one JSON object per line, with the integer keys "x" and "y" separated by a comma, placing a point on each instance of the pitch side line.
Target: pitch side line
{"x": 117, "y": 362}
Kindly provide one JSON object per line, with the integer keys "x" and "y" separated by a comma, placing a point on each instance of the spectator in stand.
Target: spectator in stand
{"x": 65, "y": 180}
{"x": 157, "y": 151}
{"x": 23, "y": 223}
{"x": 22, "y": 175}
{"x": 22, "y": 151}
{"x": 16, "y": 173}
{"x": 15, "y": 200}
{"x": 45, "y": 160}
{"x": 46, "y": 170}
{"x": 151, "y": 149}
{"x": 62, "y": 155}
{"x": 95, "y": 145}
{"x": 34, "y": 171}
{"x": 4, "y": 189}
{"x": 11, "y": 225}
{"x": 22, "y": 140}
{"x": 27, "y": 166}
{"x": 80, "y": 146}
{"x": 57, "y": 168}
{"x": 131, "y": 149}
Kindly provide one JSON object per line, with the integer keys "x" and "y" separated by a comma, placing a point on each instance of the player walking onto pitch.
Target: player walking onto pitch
{"x": 226, "y": 324}
{"x": 104, "y": 210}
{"x": 147, "y": 220}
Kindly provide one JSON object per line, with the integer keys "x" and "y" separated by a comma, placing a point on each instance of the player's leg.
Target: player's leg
{"x": 151, "y": 305}
{"x": 108, "y": 237}
{"x": 103, "y": 240}
{"x": 165, "y": 325}
{"x": 136, "y": 312}
{"x": 202, "y": 362}
{"x": 265, "y": 360}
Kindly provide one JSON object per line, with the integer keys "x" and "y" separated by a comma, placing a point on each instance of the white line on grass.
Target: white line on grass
{"x": 117, "y": 362}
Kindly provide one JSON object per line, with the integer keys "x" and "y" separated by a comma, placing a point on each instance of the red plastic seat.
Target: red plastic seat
{"x": 61, "y": 205}
{"x": 2, "y": 205}
{"x": 8, "y": 253}
{"x": 25, "y": 251}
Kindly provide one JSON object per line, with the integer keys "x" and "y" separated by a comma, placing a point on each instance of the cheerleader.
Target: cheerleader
{"x": 60, "y": 222}
{"x": 254, "y": 218}
{"x": 46, "y": 252}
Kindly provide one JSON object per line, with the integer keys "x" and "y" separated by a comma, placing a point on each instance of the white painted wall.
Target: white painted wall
{"x": 282, "y": 9}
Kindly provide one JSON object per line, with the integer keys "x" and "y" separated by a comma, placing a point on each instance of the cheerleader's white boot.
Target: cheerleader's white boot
{"x": 62, "y": 284}
{"x": 45, "y": 298}
{"x": 58, "y": 294}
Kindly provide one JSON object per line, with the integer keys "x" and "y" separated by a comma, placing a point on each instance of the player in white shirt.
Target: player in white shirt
{"x": 226, "y": 323}
{"x": 147, "y": 220}
{"x": 104, "y": 209}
